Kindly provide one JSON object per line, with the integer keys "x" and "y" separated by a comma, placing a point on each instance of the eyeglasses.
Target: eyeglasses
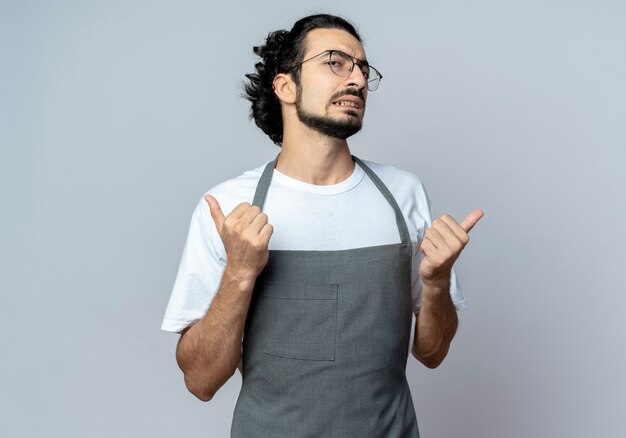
{"x": 342, "y": 65}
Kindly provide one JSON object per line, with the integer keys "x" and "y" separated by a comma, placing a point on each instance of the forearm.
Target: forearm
{"x": 209, "y": 352}
{"x": 435, "y": 326}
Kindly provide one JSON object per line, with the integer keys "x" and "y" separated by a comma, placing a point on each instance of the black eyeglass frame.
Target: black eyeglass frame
{"x": 354, "y": 60}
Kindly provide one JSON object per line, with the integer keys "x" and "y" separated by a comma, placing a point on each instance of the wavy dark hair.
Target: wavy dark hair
{"x": 282, "y": 50}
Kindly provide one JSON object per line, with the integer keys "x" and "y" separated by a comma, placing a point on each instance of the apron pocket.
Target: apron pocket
{"x": 300, "y": 320}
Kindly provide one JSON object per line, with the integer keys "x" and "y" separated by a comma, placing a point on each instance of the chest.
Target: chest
{"x": 360, "y": 217}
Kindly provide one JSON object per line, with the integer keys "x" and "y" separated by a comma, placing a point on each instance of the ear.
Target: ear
{"x": 285, "y": 88}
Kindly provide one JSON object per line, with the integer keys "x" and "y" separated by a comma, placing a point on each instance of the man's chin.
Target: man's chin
{"x": 343, "y": 129}
{"x": 340, "y": 127}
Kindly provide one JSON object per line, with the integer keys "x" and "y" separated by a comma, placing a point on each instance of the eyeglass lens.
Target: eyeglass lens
{"x": 342, "y": 65}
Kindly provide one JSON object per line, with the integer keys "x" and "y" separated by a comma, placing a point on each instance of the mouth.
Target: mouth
{"x": 351, "y": 103}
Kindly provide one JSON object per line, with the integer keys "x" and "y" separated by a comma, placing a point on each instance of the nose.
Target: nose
{"x": 357, "y": 79}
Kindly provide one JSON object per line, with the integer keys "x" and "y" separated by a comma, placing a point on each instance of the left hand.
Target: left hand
{"x": 442, "y": 245}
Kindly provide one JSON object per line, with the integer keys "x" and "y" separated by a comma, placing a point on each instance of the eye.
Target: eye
{"x": 335, "y": 63}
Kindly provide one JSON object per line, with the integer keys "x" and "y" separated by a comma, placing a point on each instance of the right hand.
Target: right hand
{"x": 245, "y": 233}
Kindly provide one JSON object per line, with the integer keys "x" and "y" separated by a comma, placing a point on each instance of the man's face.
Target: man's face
{"x": 327, "y": 103}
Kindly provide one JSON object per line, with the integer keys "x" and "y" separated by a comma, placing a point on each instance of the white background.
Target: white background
{"x": 116, "y": 116}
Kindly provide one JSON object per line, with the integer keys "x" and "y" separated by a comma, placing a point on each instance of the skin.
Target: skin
{"x": 209, "y": 352}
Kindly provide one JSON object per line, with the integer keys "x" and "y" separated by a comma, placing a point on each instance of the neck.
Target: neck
{"x": 314, "y": 158}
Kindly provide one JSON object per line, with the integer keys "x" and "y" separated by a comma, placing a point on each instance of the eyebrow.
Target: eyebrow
{"x": 362, "y": 61}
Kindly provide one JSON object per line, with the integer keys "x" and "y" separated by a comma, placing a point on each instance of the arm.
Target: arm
{"x": 435, "y": 326}
{"x": 436, "y": 321}
{"x": 209, "y": 352}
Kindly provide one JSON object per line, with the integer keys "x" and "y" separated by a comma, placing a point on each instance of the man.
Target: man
{"x": 304, "y": 272}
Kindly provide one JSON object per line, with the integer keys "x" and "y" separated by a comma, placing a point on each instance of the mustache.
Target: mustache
{"x": 349, "y": 92}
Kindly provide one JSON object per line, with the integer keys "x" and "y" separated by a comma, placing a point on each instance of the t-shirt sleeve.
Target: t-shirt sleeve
{"x": 427, "y": 214}
{"x": 199, "y": 273}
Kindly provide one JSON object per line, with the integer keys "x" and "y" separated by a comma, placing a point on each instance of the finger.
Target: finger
{"x": 216, "y": 211}
{"x": 427, "y": 247}
{"x": 238, "y": 211}
{"x": 447, "y": 240}
{"x": 258, "y": 223}
{"x": 250, "y": 215}
{"x": 435, "y": 237}
{"x": 455, "y": 228}
{"x": 266, "y": 232}
{"x": 471, "y": 219}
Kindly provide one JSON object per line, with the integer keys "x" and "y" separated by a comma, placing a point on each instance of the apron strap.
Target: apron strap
{"x": 266, "y": 178}
{"x": 264, "y": 184}
{"x": 402, "y": 228}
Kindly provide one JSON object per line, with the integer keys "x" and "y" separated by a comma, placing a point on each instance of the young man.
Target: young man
{"x": 305, "y": 272}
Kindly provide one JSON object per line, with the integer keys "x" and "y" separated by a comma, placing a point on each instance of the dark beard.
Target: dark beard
{"x": 328, "y": 126}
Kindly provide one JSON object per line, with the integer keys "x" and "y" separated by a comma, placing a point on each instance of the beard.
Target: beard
{"x": 326, "y": 125}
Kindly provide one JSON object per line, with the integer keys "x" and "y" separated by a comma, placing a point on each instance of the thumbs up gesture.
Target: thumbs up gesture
{"x": 442, "y": 245}
{"x": 245, "y": 233}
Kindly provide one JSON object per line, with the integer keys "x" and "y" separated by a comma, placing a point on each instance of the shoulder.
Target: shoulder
{"x": 401, "y": 183}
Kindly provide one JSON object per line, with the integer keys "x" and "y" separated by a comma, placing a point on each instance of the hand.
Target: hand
{"x": 245, "y": 233}
{"x": 442, "y": 245}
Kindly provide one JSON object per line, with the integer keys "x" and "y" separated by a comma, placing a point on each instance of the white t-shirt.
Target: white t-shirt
{"x": 350, "y": 214}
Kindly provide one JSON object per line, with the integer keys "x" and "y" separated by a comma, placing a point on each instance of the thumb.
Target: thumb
{"x": 471, "y": 219}
{"x": 216, "y": 211}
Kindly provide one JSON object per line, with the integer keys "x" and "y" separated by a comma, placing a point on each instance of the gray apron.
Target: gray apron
{"x": 326, "y": 340}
